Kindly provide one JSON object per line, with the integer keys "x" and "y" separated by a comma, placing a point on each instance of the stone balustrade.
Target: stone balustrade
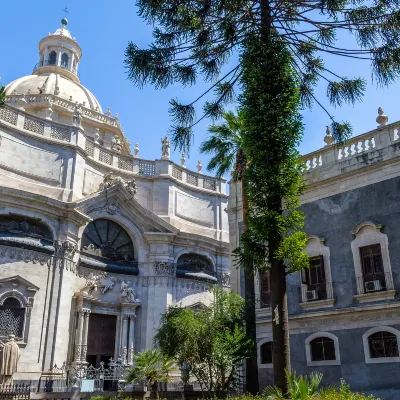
{"x": 357, "y": 152}
{"x": 75, "y": 136}
{"x": 70, "y": 105}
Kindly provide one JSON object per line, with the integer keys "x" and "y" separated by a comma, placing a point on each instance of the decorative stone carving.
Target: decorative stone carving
{"x": 328, "y": 139}
{"x": 165, "y": 148}
{"x": 131, "y": 187}
{"x": 25, "y": 255}
{"x": 164, "y": 268}
{"x": 65, "y": 249}
{"x": 77, "y": 118}
{"x": 199, "y": 167}
{"x": 136, "y": 150}
{"x": 97, "y": 135}
{"x": 116, "y": 144}
{"x": 96, "y": 281}
{"x": 183, "y": 160}
{"x": 110, "y": 179}
{"x": 127, "y": 294}
{"x": 382, "y": 119}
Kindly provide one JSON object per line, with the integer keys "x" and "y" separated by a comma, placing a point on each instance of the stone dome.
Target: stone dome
{"x": 54, "y": 84}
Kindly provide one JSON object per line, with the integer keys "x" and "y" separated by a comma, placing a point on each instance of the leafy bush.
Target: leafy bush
{"x": 343, "y": 393}
{"x": 299, "y": 387}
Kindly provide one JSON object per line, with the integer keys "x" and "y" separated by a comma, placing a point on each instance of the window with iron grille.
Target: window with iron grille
{"x": 265, "y": 290}
{"x": 314, "y": 277}
{"x": 372, "y": 264}
{"x": 383, "y": 344}
{"x": 322, "y": 349}
{"x": 266, "y": 350}
{"x": 12, "y": 318}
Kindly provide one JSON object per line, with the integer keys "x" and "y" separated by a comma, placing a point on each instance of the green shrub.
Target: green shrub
{"x": 343, "y": 393}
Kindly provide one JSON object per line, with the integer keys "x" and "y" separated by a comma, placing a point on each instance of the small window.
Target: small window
{"x": 52, "y": 58}
{"x": 265, "y": 290}
{"x": 266, "y": 350}
{"x": 383, "y": 344}
{"x": 314, "y": 278}
{"x": 372, "y": 264}
{"x": 12, "y": 318}
{"x": 64, "y": 60}
{"x": 322, "y": 349}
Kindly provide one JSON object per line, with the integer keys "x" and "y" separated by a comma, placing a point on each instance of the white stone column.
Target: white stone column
{"x": 78, "y": 337}
{"x": 85, "y": 334}
{"x": 124, "y": 341}
{"x": 131, "y": 341}
{"x": 72, "y": 63}
{"x": 58, "y": 63}
{"x": 46, "y": 56}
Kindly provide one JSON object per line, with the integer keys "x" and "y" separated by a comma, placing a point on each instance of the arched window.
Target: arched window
{"x": 383, "y": 344}
{"x": 106, "y": 245}
{"x": 266, "y": 353}
{"x": 52, "y": 58}
{"x": 64, "y": 60}
{"x": 322, "y": 348}
{"x": 195, "y": 266}
{"x": 27, "y": 233}
{"x": 12, "y": 318}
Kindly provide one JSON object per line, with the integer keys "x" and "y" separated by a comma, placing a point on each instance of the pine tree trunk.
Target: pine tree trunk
{"x": 252, "y": 385}
{"x": 280, "y": 315}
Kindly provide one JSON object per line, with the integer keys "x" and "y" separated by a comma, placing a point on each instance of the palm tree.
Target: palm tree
{"x": 152, "y": 367}
{"x": 226, "y": 146}
{"x": 2, "y": 95}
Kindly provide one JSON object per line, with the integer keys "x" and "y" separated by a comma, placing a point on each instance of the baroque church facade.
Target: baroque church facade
{"x": 95, "y": 243}
{"x": 344, "y": 311}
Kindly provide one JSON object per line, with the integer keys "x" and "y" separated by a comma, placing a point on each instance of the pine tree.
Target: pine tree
{"x": 195, "y": 38}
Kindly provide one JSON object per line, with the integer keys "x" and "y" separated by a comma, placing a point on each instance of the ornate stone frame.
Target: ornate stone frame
{"x": 366, "y": 234}
{"x": 27, "y": 304}
{"x": 259, "y": 344}
{"x": 316, "y": 247}
{"x": 335, "y": 339}
{"x": 381, "y": 360}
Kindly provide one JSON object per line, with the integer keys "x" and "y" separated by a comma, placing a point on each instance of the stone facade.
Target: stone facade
{"x": 95, "y": 243}
{"x": 351, "y": 203}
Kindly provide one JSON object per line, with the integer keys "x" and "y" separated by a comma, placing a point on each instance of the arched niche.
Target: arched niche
{"x": 26, "y": 232}
{"x": 107, "y": 246}
{"x": 195, "y": 266}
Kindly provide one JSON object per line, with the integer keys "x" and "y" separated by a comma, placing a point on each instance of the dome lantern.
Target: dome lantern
{"x": 59, "y": 53}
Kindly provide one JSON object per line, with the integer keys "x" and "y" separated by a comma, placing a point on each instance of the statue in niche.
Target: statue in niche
{"x": 10, "y": 355}
{"x": 165, "y": 147}
{"x": 127, "y": 294}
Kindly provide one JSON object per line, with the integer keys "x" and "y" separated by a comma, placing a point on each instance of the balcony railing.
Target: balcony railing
{"x": 46, "y": 63}
{"x": 376, "y": 283}
{"x": 315, "y": 292}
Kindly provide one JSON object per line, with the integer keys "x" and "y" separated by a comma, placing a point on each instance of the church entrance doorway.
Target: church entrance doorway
{"x": 101, "y": 339}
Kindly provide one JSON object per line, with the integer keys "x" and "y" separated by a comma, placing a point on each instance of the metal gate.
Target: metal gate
{"x": 15, "y": 392}
{"x": 60, "y": 379}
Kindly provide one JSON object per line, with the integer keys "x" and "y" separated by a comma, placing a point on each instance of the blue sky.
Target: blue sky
{"x": 103, "y": 29}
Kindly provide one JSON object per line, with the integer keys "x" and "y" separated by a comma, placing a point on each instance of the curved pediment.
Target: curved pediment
{"x": 118, "y": 201}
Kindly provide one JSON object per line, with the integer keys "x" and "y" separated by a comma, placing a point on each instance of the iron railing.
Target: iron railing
{"x": 46, "y": 63}
{"x": 15, "y": 392}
